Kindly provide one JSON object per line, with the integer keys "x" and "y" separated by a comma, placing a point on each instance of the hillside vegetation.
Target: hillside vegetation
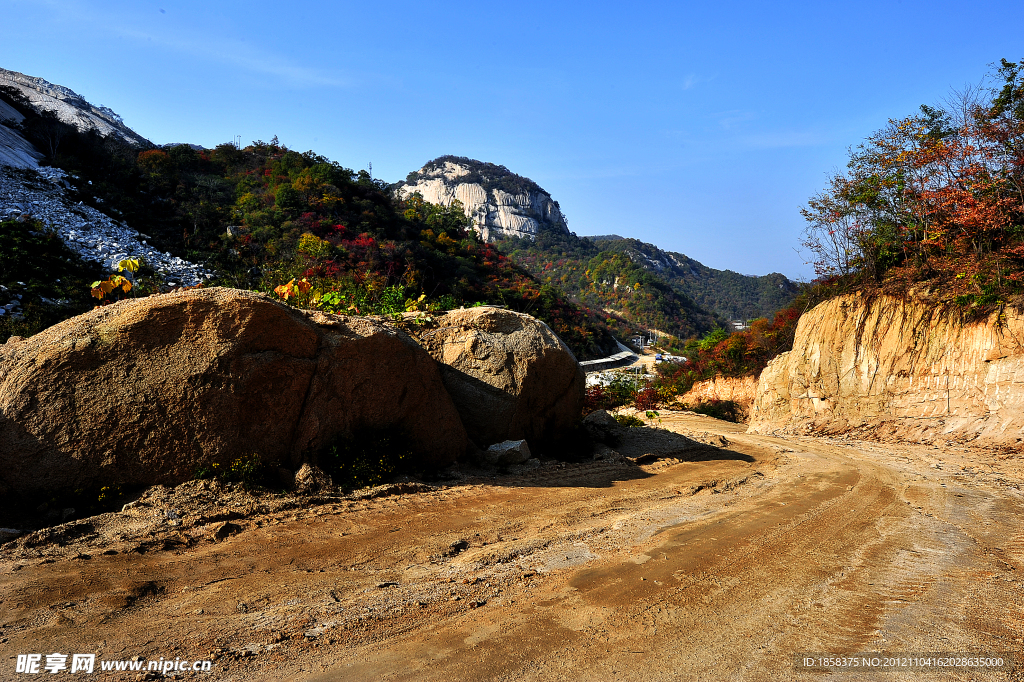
{"x": 653, "y": 288}
{"x": 724, "y": 292}
{"x": 739, "y": 354}
{"x": 933, "y": 203}
{"x": 301, "y": 226}
{"x": 609, "y": 281}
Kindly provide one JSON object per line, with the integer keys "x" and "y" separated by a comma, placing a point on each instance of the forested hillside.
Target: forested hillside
{"x": 610, "y": 281}
{"x": 933, "y": 203}
{"x": 676, "y": 294}
{"x": 316, "y": 233}
{"x": 727, "y": 293}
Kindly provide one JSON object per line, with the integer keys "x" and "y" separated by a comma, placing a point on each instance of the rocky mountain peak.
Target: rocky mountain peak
{"x": 500, "y": 203}
{"x": 69, "y": 106}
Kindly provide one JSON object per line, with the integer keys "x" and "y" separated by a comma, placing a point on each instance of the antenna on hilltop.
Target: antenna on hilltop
{"x": 371, "y": 169}
{"x": 238, "y": 141}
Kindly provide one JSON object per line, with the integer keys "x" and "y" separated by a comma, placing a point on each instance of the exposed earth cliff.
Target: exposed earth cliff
{"x": 898, "y": 368}
{"x": 740, "y": 390}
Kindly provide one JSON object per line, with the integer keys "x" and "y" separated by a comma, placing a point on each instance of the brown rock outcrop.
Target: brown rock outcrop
{"x": 145, "y": 391}
{"x": 740, "y": 390}
{"x": 899, "y": 368}
{"x": 508, "y": 374}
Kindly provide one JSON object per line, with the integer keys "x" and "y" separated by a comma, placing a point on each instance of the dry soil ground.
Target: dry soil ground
{"x": 716, "y": 564}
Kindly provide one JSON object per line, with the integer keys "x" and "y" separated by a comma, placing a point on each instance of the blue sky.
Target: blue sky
{"x": 700, "y": 127}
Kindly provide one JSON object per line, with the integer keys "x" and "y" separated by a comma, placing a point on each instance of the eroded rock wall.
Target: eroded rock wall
{"x": 900, "y": 368}
{"x": 740, "y": 390}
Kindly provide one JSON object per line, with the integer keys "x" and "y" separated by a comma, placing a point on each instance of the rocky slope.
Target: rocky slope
{"x": 900, "y": 369}
{"x": 69, "y": 106}
{"x": 42, "y": 194}
{"x": 29, "y": 189}
{"x": 500, "y": 203}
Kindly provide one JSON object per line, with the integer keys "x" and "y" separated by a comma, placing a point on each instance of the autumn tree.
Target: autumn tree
{"x": 936, "y": 196}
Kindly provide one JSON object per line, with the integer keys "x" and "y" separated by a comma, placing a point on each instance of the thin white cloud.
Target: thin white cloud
{"x": 730, "y": 119}
{"x": 692, "y": 80}
{"x": 783, "y": 139}
{"x": 241, "y": 55}
{"x": 234, "y": 53}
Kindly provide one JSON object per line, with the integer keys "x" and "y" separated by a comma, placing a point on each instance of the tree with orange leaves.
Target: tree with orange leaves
{"x": 937, "y": 197}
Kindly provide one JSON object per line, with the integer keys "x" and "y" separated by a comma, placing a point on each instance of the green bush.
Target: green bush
{"x": 629, "y": 420}
{"x": 368, "y": 457}
{"x": 250, "y": 471}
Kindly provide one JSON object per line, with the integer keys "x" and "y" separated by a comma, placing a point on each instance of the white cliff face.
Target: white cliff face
{"x": 495, "y": 212}
{"x": 15, "y": 150}
{"x": 69, "y": 106}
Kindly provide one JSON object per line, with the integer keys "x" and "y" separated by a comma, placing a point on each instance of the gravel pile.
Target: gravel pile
{"x": 95, "y": 236}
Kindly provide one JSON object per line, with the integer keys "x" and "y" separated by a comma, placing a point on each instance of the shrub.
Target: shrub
{"x": 597, "y": 398}
{"x": 368, "y": 457}
{"x": 624, "y": 388}
{"x": 250, "y": 471}
{"x": 629, "y": 420}
{"x": 646, "y": 399}
{"x": 726, "y": 410}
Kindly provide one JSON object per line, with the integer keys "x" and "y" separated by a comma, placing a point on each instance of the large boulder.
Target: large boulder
{"x": 509, "y": 375}
{"x": 148, "y": 390}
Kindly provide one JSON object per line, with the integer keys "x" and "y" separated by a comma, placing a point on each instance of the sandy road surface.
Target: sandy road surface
{"x": 715, "y": 569}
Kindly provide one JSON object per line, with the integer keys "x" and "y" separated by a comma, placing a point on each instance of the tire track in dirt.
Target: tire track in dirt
{"x": 718, "y": 568}
{"x": 832, "y": 559}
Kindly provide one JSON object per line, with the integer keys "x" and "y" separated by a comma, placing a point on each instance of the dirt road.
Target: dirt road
{"x": 717, "y": 568}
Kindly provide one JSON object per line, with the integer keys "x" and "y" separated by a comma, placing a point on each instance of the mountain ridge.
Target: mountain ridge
{"x": 760, "y": 295}
{"x": 69, "y": 106}
{"x": 707, "y": 295}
